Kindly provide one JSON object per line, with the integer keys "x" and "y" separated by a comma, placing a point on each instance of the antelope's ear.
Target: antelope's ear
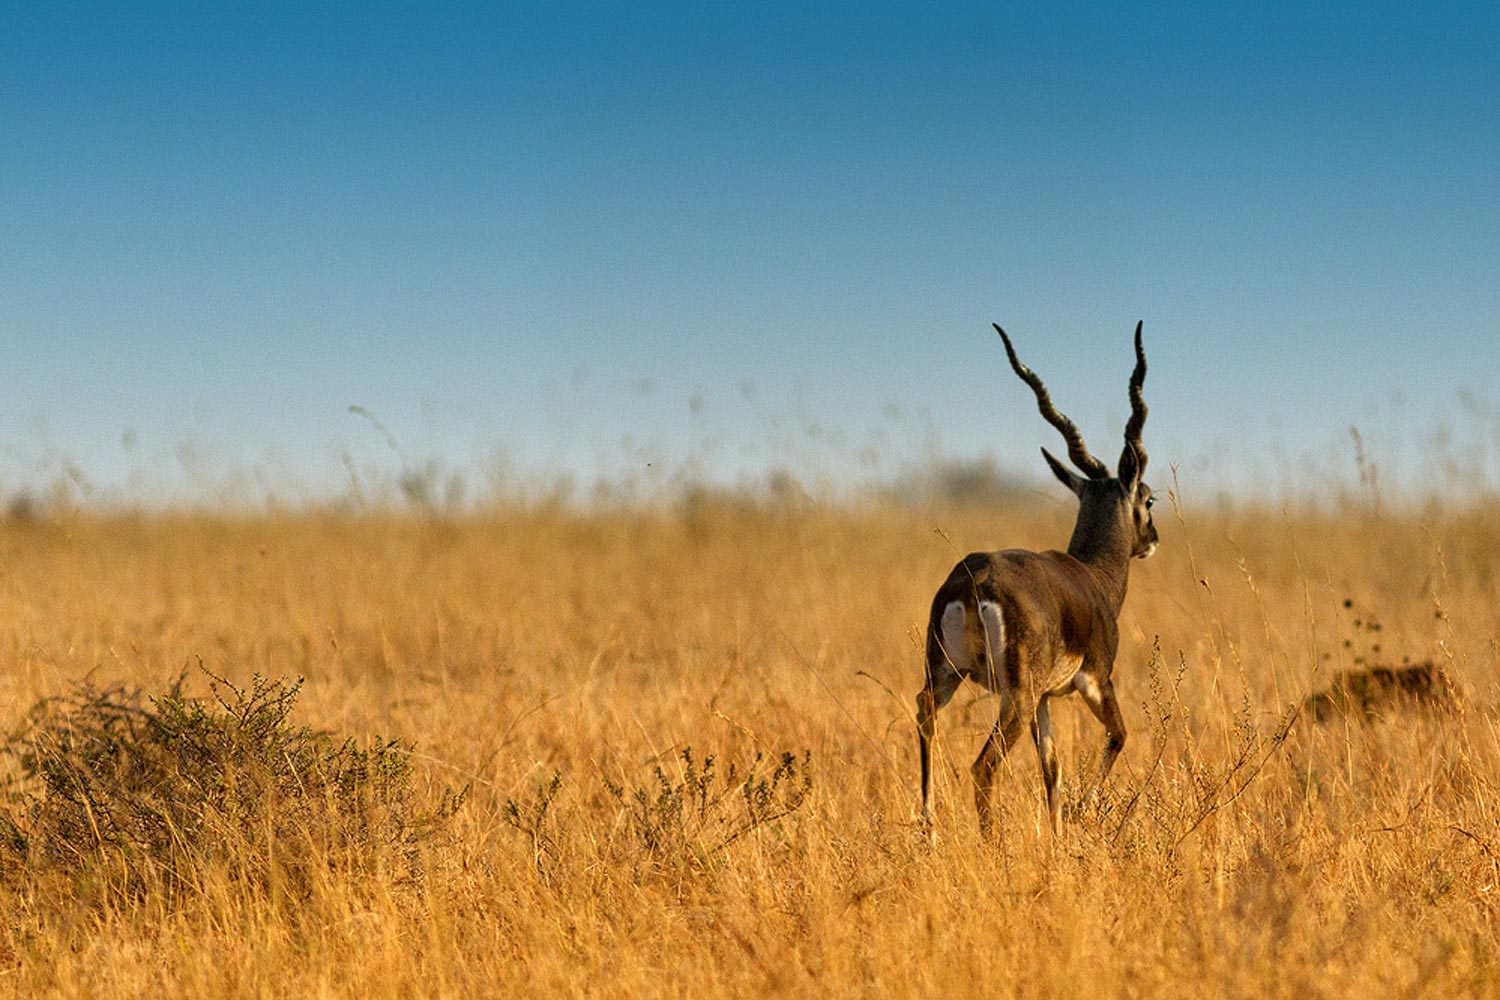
{"x": 1068, "y": 478}
{"x": 1130, "y": 469}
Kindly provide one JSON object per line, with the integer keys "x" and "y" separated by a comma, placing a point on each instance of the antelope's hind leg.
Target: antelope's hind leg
{"x": 1008, "y": 721}
{"x": 1007, "y": 730}
{"x": 937, "y": 693}
{"x": 947, "y": 658}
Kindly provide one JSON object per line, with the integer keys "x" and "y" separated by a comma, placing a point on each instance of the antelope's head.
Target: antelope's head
{"x": 1110, "y": 508}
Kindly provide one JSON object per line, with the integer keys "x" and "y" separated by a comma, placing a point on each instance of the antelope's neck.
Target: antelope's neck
{"x": 1108, "y": 556}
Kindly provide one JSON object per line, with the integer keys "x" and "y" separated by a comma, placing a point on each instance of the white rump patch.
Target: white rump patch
{"x": 953, "y": 637}
{"x": 961, "y": 641}
{"x": 994, "y": 637}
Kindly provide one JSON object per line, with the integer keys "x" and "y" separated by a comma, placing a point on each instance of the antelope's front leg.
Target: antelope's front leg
{"x": 1101, "y": 700}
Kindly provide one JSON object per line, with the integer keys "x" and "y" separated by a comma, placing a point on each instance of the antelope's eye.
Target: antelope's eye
{"x": 1149, "y": 502}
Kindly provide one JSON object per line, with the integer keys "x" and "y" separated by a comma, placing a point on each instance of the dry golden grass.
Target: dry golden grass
{"x": 1349, "y": 859}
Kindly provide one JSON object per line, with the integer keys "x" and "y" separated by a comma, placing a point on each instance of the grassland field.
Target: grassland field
{"x": 575, "y": 671}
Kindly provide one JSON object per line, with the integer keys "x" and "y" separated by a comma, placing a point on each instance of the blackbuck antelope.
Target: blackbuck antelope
{"x": 1031, "y": 626}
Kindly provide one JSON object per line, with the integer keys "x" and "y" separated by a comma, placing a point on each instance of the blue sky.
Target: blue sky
{"x": 577, "y": 239}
